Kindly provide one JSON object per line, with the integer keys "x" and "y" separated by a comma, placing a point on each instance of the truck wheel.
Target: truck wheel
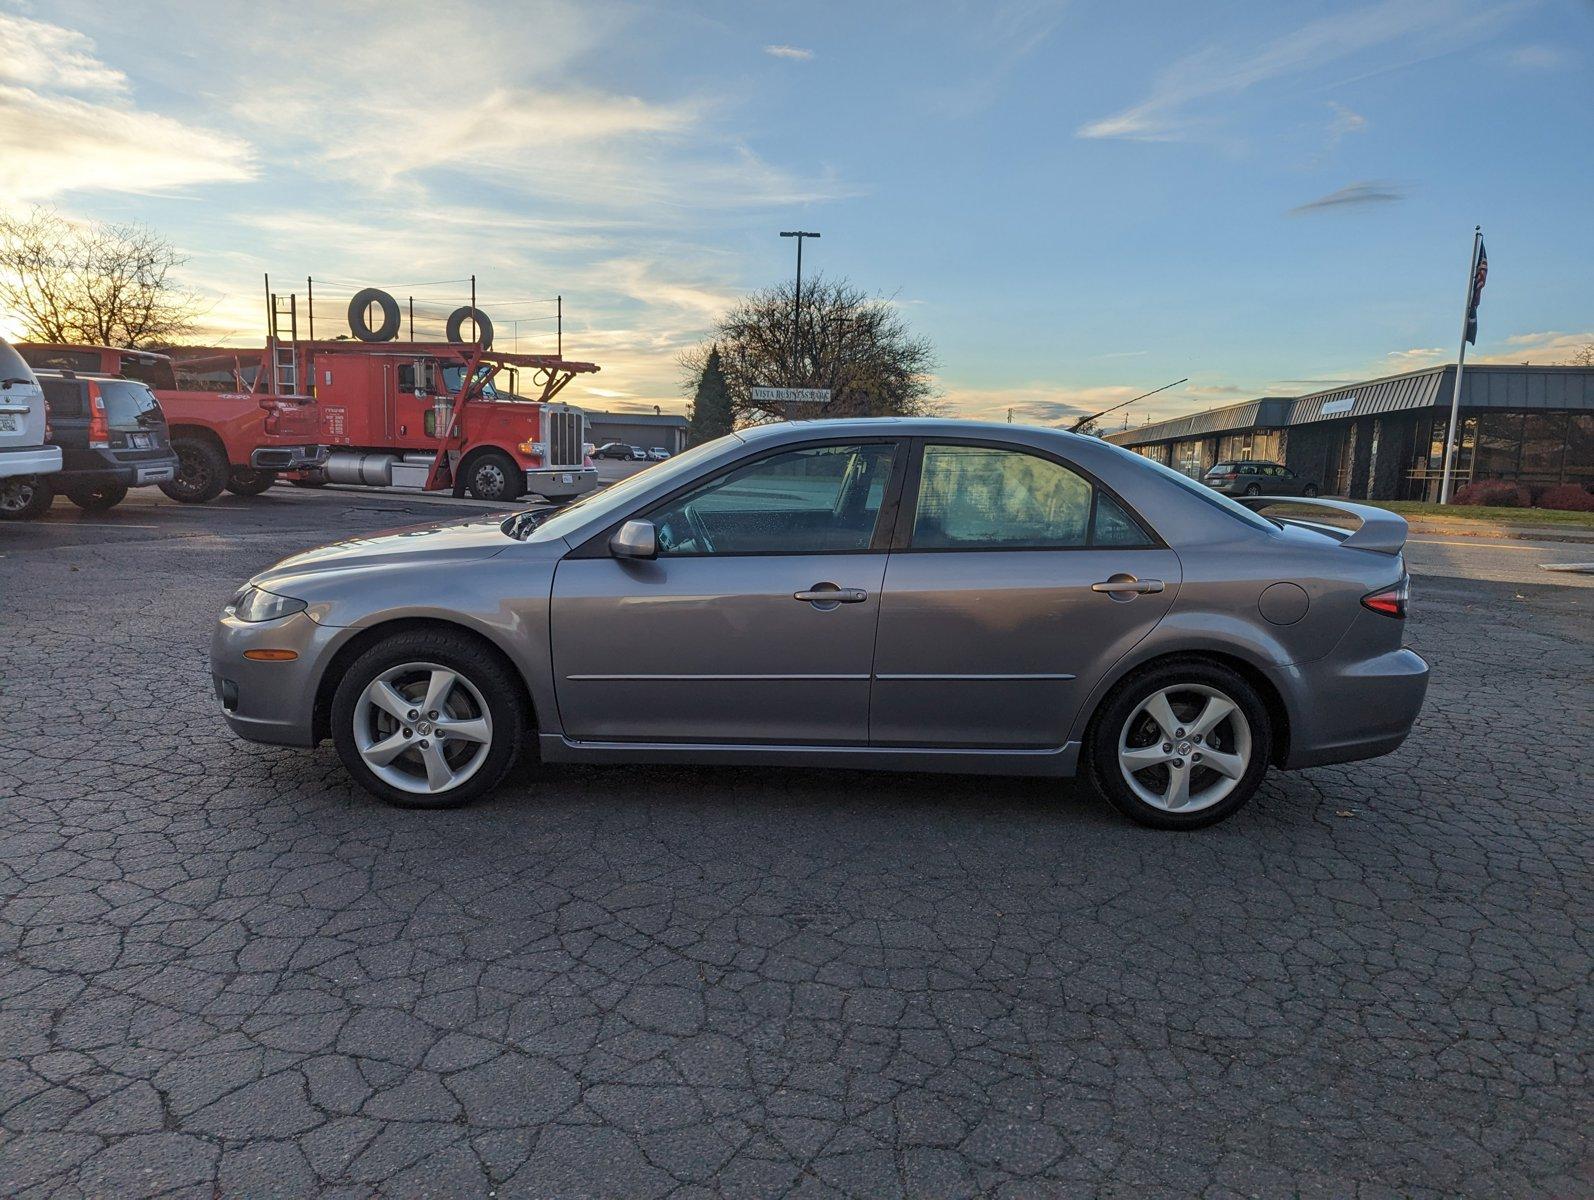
{"x": 99, "y": 499}
{"x": 310, "y": 479}
{"x": 24, "y": 497}
{"x": 494, "y": 476}
{"x": 244, "y": 481}
{"x": 202, "y": 472}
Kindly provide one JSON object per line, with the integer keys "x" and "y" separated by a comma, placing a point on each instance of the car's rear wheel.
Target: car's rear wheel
{"x": 1181, "y": 745}
{"x": 99, "y": 499}
{"x": 245, "y": 481}
{"x": 24, "y": 498}
{"x": 1253, "y": 489}
{"x": 428, "y": 720}
{"x": 494, "y": 476}
{"x": 202, "y": 471}
{"x": 1309, "y": 490}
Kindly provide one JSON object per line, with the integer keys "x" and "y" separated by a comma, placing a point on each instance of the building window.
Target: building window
{"x": 1543, "y": 447}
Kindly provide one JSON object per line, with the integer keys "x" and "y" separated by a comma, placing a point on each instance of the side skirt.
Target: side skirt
{"x": 1056, "y": 761}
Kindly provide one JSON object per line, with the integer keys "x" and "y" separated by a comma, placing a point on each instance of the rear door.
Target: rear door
{"x": 1014, "y": 583}
{"x": 755, "y": 623}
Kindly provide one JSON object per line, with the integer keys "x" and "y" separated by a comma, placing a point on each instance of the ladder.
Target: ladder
{"x": 284, "y": 358}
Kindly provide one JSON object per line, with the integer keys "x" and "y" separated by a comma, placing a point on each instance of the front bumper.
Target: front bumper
{"x": 271, "y": 701}
{"x": 1346, "y": 711}
{"x": 287, "y": 458}
{"x": 561, "y": 483}
{"x": 30, "y": 460}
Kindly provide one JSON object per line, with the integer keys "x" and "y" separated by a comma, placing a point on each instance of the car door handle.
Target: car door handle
{"x": 831, "y": 594}
{"x": 1127, "y": 585}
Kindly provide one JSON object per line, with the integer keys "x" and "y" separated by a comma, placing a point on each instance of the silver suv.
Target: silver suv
{"x": 23, "y": 420}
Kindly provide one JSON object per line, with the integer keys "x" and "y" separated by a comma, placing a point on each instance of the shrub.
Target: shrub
{"x": 1495, "y": 493}
{"x": 1570, "y": 497}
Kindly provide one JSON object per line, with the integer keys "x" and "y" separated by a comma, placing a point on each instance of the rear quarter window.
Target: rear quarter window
{"x": 129, "y": 405}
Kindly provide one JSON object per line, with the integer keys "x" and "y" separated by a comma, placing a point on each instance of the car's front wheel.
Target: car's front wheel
{"x": 1181, "y": 745}
{"x": 428, "y": 719}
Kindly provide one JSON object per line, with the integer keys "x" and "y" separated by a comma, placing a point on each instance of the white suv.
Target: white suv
{"x": 23, "y": 454}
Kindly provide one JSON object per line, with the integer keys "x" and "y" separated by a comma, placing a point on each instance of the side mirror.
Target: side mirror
{"x": 635, "y": 539}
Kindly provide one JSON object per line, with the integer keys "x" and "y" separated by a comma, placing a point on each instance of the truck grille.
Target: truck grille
{"x": 566, "y": 434}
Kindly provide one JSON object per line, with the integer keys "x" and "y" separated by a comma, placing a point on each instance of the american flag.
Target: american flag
{"x": 1479, "y": 277}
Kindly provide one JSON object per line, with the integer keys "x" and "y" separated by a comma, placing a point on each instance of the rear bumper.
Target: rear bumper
{"x": 287, "y": 458}
{"x": 1342, "y": 712}
{"x": 29, "y": 460}
{"x": 108, "y": 473}
{"x": 561, "y": 484}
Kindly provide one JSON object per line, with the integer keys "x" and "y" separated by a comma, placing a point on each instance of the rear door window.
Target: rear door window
{"x": 129, "y": 405}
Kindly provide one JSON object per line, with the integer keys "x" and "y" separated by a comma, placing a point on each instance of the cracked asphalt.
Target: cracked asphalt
{"x": 223, "y": 971}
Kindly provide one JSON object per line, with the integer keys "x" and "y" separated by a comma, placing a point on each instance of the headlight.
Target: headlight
{"x": 257, "y": 604}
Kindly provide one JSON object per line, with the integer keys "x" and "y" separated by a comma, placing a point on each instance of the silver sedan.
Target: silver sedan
{"x": 907, "y": 595}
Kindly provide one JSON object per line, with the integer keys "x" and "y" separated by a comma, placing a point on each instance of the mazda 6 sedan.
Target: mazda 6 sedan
{"x": 900, "y": 594}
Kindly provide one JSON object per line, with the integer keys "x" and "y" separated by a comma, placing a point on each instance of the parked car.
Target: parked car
{"x": 26, "y": 457}
{"x": 639, "y": 454}
{"x": 1257, "y": 477}
{"x": 919, "y": 595}
{"x": 613, "y": 450}
{"x": 658, "y": 453}
{"x": 112, "y": 436}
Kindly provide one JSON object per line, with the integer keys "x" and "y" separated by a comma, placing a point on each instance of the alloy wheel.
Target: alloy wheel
{"x": 422, "y": 728}
{"x": 16, "y": 495}
{"x": 1184, "y": 748}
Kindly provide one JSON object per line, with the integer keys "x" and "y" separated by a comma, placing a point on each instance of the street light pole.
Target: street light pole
{"x": 797, "y": 302}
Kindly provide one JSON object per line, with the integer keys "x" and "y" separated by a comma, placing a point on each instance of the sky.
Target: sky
{"x": 1075, "y": 201}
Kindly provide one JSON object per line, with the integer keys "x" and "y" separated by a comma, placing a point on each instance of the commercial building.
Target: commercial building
{"x": 638, "y": 429}
{"x": 1385, "y": 439}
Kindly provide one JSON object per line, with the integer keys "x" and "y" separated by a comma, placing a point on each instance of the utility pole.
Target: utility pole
{"x": 797, "y": 304}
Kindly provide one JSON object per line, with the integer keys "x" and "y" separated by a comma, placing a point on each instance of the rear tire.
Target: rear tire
{"x": 1253, "y": 489}
{"x": 1217, "y": 717}
{"x": 482, "y": 700}
{"x": 1309, "y": 491}
{"x": 202, "y": 471}
{"x": 25, "y": 498}
{"x": 245, "y": 481}
{"x": 100, "y": 499}
{"x": 494, "y": 476}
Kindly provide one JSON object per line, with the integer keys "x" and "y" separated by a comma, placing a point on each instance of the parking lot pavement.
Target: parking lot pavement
{"x": 225, "y": 971}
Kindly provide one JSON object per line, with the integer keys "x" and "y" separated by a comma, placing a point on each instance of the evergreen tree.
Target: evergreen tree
{"x": 711, "y": 416}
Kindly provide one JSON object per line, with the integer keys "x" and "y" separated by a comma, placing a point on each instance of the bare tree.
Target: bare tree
{"x": 108, "y": 285}
{"x": 858, "y": 346}
{"x": 1583, "y": 356}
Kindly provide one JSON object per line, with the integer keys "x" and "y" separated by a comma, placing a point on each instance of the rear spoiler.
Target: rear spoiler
{"x": 1381, "y": 531}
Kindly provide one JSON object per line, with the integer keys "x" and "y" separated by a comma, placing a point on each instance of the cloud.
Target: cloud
{"x": 96, "y": 139}
{"x": 796, "y": 53}
{"x": 1216, "y": 70}
{"x": 1351, "y": 196}
{"x": 1550, "y": 348}
{"x": 1538, "y": 58}
{"x": 1345, "y": 121}
{"x": 1414, "y": 359}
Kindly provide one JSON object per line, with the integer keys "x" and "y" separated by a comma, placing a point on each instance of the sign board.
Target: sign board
{"x": 1341, "y": 404}
{"x": 780, "y": 395}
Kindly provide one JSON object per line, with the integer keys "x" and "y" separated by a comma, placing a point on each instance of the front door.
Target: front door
{"x": 756, "y": 622}
{"x": 1020, "y": 584}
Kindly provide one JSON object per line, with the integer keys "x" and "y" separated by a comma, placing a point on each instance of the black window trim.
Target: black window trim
{"x": 902, "y": 537}
{"x": 886, "y": 520}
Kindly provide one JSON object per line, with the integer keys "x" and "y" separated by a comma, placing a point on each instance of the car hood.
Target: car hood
{"x": 468, "y": 540}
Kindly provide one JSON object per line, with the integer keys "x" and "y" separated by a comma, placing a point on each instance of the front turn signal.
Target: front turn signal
{"x": 271, "y": 655}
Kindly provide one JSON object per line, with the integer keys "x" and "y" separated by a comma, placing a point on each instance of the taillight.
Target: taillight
{"x": 99, "y": 427}
{"x": 1389, "y": 601}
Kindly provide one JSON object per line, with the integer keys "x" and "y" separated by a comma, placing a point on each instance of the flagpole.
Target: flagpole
{"x": 1461, "y": 358}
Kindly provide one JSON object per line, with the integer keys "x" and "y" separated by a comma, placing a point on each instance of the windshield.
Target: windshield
{"x": 561, "y": 521}
{"x": 455, "y": 375}
{"x": 1238, "y": 511}
{"x": 129, "y": 405}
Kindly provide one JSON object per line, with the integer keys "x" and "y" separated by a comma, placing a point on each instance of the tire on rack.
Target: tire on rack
{"x": 1202, "y": 769}
{"x": 25, "y": 497}
{"x": 493, "y": 475}
{"x": 202, "y": 470}
{"x": 360, "y": 327}
{"x": 246, "y": 481}
{"x": 455, "y": 330}
{"x": 400, "y": 758}
{"x": 100, "y": 499}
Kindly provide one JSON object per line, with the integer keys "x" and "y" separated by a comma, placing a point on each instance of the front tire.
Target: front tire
{"x": 202, "y": 471}
{"x": 25, "y": 498}
{"x": 1181, "y": 745}
{"x": 390, "y": 741}
{"x": 245, "y": 481}
{"x": 494, "y": 476}
{"x": 100, "y": 499}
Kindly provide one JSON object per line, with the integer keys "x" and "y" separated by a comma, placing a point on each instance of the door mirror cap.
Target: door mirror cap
{"x": 635, "y": 539}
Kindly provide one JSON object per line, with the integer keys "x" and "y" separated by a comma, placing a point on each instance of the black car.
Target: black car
{"x": 112, "y": 436}
{"x": 1257, "y": 477}
{"x": 613, "y": 450}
